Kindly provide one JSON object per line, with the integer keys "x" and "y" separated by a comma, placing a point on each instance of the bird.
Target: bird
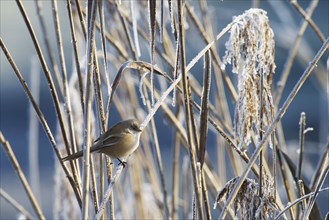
{"x": 119, "y": 141}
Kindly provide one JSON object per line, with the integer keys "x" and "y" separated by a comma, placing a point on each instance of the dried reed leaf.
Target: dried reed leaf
{"x": 315, "y": 213}
{"x": 204, "y": 108}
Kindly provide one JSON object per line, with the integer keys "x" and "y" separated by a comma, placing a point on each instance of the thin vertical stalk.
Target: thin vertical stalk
{"x": 285, "y": 182}
{"x": 82, "y": 21}
{"x": 104, "y": 48}
{"x": 175, "y": 178}
{"x": 93, "y": 186}
{"x": 191, "y": 143}
{"x": 75, "y": 52}
{"x": 197, "y": 163}
{"x": 161, "y": 20}
{"x": 205, "y": 195}
{"x": 274, "y": 158}
{"x": 92, "y": 6}
{"x": 52, "y": 61}
{"x": 261, "y": 175}
{"x": 102, "y": 121}
{"x": 21, "y": 176}
{"x": 102, "y": 118}
{"x": 186, "y": 178}
{"x": 302, "y": 123}
{"x": 152, "y": 28}
{"x": 109, "y": 176}
{"x": 301, "y": 192}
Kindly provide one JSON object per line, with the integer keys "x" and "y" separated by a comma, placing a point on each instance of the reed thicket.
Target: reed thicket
{"x": 137, "y": 59}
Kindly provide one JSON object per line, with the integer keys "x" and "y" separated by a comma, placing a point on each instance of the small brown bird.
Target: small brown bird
{"x": 120, "y": 141}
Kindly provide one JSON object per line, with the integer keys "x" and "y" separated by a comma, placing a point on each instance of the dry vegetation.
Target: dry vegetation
{"x": 130, "y": 59}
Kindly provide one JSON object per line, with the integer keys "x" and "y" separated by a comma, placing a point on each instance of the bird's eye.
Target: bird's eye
{"x": 135, "y": 126}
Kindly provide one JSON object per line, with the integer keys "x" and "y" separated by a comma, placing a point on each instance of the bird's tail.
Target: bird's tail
{"x": 79, "y": 154}
{"x": 73, "y": 156}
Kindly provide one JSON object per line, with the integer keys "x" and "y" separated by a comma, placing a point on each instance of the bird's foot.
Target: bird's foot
{"x": 123, "y": 163}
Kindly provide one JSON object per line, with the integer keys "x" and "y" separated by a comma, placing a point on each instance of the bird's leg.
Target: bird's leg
{"x": 123, "y": 163}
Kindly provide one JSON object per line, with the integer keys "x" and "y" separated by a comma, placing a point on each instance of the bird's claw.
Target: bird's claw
{"x": 123, "y": 163}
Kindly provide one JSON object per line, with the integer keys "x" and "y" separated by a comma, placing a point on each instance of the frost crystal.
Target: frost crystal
{"x": 250, "y": 49}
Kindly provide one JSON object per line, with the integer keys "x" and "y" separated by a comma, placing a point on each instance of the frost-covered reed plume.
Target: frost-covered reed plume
{"x": 247, "y": 202}
{"x": 250, "y": 49}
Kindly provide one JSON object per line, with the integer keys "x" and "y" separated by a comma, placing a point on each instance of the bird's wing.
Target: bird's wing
{"x": 106, "y": 141}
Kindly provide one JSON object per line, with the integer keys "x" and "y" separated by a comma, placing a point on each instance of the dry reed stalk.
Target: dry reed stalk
{"x": 75, "y": 52}
{"x": 53, "y": 63}
{"x": 308, "y": 18}
{"x": 292, "y": 53}
{"x": 15, "y": 204}
{"x": 21, "y": 176}
{"x": 175, "y": 177}
{"x": 92, "y": 6}
{"x": 137, "y": 189}
{"x": 298, "y": 201}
